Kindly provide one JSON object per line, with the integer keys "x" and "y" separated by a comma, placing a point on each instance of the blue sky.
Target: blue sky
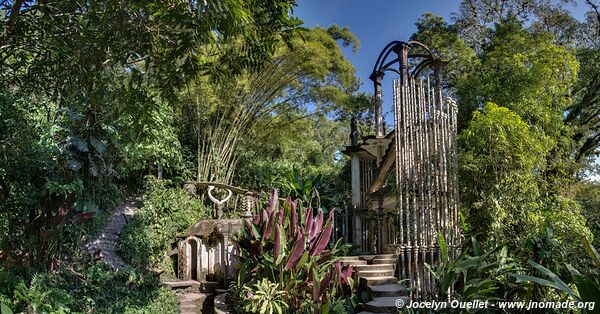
{"x": 377, "y": 22}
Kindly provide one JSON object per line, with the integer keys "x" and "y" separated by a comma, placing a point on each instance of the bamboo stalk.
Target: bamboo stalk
{"x": 413, "y": 182}
{"x": 424, "y": 181}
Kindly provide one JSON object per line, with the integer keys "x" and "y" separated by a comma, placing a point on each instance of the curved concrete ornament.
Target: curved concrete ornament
{"x": 215, "y": 200}
{"x": 219, "y": 203}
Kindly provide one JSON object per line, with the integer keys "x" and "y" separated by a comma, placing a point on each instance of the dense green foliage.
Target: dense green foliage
{"x": 501, "y": 170}
{"x": 86, "y": 287}
{"x": 167, "y": 211}
{"x": 96, "y": 95}
{"x": 524, "y": 74}
{"x": 234, "y": 125}
{"x": 586, "y": 287}
{"x": 588, "y": 196}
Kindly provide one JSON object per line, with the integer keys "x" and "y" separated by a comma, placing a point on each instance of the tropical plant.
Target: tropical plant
{"x": 44, "y": 232}
{"x": 310, "y": 69}
{"x": 89, "y": 286}
{"x": 289, "y": 247}
{"x": 40, "y": 298}
{"x": 311, "y": 190}
{"x": 265, "y": 297}
{"x": 506, "y": 196}
{"x": 472, "y": 276}
{"x": 587, "y": 287}
{"x": 588, "y": 196}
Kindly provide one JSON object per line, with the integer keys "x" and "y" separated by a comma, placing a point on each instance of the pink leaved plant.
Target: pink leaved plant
{"x": 292, "y": 246}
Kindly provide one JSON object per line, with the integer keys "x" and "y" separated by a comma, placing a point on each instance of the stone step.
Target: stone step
{"x": 188, "y": 308}
{"x": 385, "y": 304}
{"x": 388, "y": 290}
{"x": 360, "y": 268}
{"x": 367, "y": 257}
{"x": 376, "y": 273}
{"x": 372, "y": 281}
{"x": 210, "y": 286}
{"x": 354, "y": 262}
{"x": 383, "y": 261}
{"x": 181, "y": 284}
{"x": 191, "y": 302}
{"x": 191, "y": 296}
{"x": 386, "y": 256}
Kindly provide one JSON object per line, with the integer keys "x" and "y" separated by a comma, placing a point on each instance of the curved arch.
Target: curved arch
{"x": 419, "y": 67}
{"x": 385, "y": 66}
{"x": 382, "y": 66}
{"x": 392, "y": 70}
{"x": 388, "y": 46}
{"x": 406, "y": 69}
{"x": 193, "y": 257}
{"x": 422, "y": 46}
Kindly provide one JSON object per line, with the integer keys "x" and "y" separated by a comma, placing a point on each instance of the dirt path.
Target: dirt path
{"x": 105, "y": 241}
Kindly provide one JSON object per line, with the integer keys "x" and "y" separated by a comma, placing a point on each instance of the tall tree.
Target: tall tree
{"x": 83, "y": 73}
{"x": 311, "y": 69}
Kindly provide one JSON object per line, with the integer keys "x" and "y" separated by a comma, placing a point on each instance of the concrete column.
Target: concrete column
{"x": 377, "y": 77}
{"x": 203, "y": 260}
{"x": 380, "y": 227}
{"x": 188, "y": 260}
{"x": 224, "y": 255}
{"x": 356, "y": 230}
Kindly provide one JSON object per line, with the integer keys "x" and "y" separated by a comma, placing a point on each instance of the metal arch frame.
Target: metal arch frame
{"x": 401, "y": 49}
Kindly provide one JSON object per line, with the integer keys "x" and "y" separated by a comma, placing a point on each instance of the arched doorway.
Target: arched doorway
{"x": 193, "y": 244}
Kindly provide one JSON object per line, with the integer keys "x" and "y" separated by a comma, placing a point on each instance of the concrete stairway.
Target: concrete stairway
{"x": 194, "y": 296}
{"x": 103, "y": 246}
{"x": 377, "y": 274}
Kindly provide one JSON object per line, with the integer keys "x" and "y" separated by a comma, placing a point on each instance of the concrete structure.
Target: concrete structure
{"x": 206, "y": 253}
{"x": 405, "y": 182}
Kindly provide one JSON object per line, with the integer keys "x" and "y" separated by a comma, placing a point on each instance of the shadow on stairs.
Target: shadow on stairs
{"x": 195, "y": 296}
{"x": 376, "y": 273}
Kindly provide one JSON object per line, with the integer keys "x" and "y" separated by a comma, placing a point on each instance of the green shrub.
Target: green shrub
{"x": 588, "y": 196}
{"x": 475, "y": 274}
{"x": 42, "y": 297}
{"x": 587, "y": 287}
{"x": 9, "y": 280}
{"x": 167, "y": 211}
{"x": 86, "y": 287}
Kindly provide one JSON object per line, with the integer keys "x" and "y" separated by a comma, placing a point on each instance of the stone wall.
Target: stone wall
{"x": 206, "y": 253}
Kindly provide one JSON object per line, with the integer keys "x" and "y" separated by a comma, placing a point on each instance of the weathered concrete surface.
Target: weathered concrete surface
{"x": 105, "y": 242}
{"x": 206, "y": 227}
